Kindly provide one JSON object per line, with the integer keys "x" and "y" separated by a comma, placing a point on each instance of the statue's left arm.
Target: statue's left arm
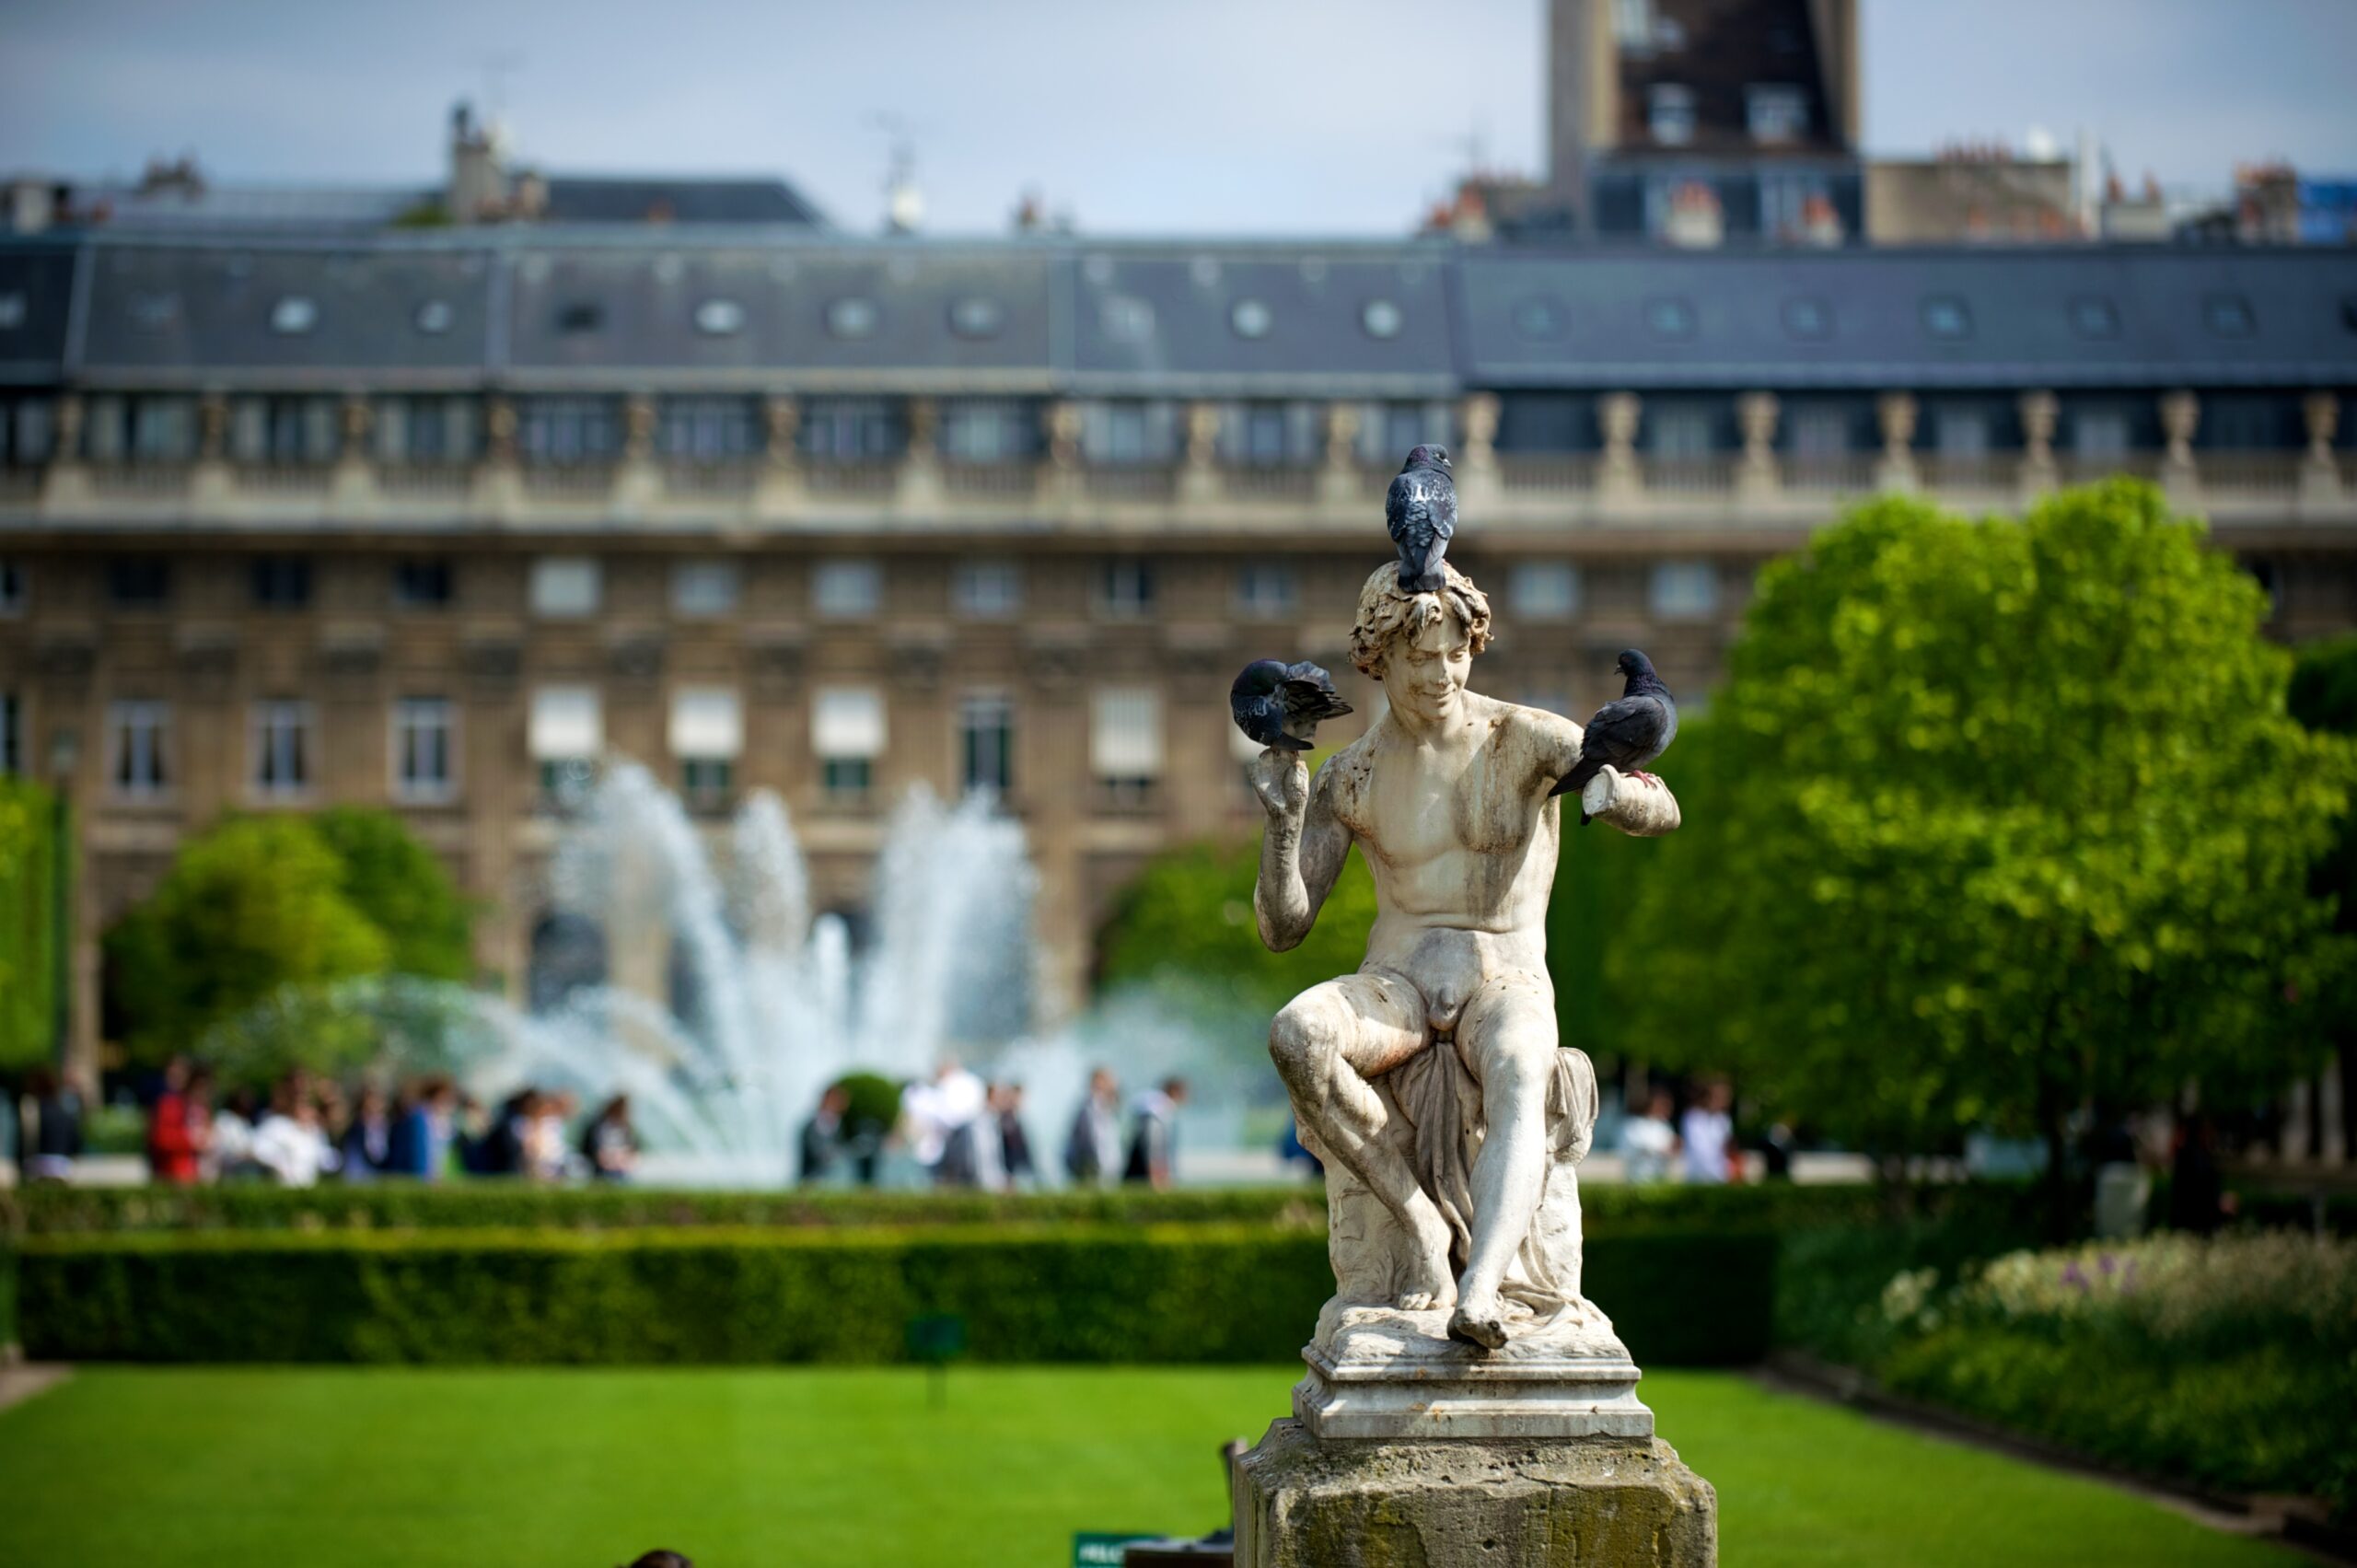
{"x": 1302, "y": 848}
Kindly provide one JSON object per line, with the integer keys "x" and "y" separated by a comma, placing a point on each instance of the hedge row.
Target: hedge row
{"x": 475, "y": 1204}
{"x": 731, "y": 1295}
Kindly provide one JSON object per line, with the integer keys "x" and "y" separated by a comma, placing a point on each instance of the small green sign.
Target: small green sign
{"x": 1095, "y": 1549}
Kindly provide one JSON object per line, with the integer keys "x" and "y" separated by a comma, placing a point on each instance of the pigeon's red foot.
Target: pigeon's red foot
{"x": 1640, "y": 773}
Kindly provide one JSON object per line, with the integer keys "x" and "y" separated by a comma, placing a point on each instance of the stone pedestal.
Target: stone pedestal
{"x": 1459, "y": 1503}
{"x": 1380, "y": 1372}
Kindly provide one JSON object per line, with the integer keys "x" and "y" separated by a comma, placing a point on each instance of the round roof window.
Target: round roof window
{"x": 719, "y": 317}
{"x": 434, "y": 317}
{"x": 1540, "y": 317}
{"x": 976, "y": 316}
{"x": 292, "y": 314}
{"x": 1381, "y": 318}
{"x": 852, "y": 318}
{"x": 1205, "y": 270}
{"x": 1130, "y": 321}
{"x": 1251, "y": 319}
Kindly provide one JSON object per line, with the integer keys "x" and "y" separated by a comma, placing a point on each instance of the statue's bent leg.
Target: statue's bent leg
{"x": 1328, "y": 1042}
{"x": 1507, "y": 1039}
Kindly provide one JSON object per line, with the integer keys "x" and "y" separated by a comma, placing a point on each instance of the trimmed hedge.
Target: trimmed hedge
{"x": 1206, "y": 1293}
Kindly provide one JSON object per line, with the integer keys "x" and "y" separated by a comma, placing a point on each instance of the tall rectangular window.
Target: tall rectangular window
{"x": 1681, "y": 432}
{"x": 986, "y": 742}
{"x": 2100, "y": 432}
{"x": 847, "y": 732}
{"x": 281, "y": 747}
{"x": 422, "y": 584}
{"x": 566, "y": 587}
{"x": 704, "y": 590}
{"x": 139, "y": 582}
{"x": 139, "y": 742}
{"x": 1669, "y": 114}
{"x": 848, "y": 430}
{"x": 1685, "y": 590}
{"x": 987, "y": 590}
{"x": 163, "y": 430}
{"x": 1775, "y": 112}
{"x": 12, "y": 734}
{"x": 1125, "y": 588}
{"x": 1544, "y": 590}
{"x": 566, "y": 734}
{"x": 987, "y": 430}
{"x": 846, "y": 590}
{"x": 282, "y": 581}
{"x": 709, "y": 430}
{"x": 14, "y": 588}
{"x": 561, "y": 431}
{"x": 427, "y": 430}
{"x": 1125, "y": 743}
{"x": 1961, "y": 432}
{"x": 425, "y": 750}
{"x": 1266, "y": 590}
{"x": 707, "y": 736}
{"x": 1818, "y": 433}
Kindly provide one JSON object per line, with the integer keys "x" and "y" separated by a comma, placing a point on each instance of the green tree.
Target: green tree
{"x": 404, "y": 891}
{"x": 251, "y": 907}
{"x": 1992, "y": 821}
{"x": 29, "y": 886}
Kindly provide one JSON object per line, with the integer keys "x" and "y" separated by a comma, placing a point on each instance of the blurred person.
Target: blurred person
{"x": 1707, "y": 1131}
{"x": 501, "y": 1144}
{"x": 541, "y": 1146}
{"x": 2199, "y": 1202}
{"x": 821, "y": 1141}
{"x": 938, "y": 1112}
{"x": 660, "y": 1558}
{"x": 1776, "y": 1147}
{"x": 290, "y": 1144}
{"x": 50, "y": 1122}
{"x": 230, "y": 1147}
{"x": 1015, "y": 1164}
{"x": 1648, "y": 1143}
{"x": 1291, "y": 1151}
{"x": 1093, "y": 1148}
{"x": 175, "y": 1132}
{"x": 1154, "y": 1134}
{"x": 609, "y": 1145}
{"x": 424, "y": 1130}
{"x": 365, "y": 1148}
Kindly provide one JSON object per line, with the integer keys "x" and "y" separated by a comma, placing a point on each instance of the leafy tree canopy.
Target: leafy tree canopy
{"x": 404, "y": 891}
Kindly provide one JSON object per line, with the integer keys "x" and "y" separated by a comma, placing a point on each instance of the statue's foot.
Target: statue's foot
{"x": 1479, "y": 1322}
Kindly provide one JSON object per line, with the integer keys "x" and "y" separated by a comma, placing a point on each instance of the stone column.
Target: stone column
{"x": 778, "y": 492}
{"x": 2320, "y": 474}
{"x": 2038, "y": 410}
{"x": 209, "y": 484}
{"x": 637, "y": 485}
{"x": 498, "y": 483}
{"x": 1618, "y": 478}
{"x": 352, "y": 489}
{"x": 1477, "y": 464}
{"x": 1199, "y": 479}
{"x": 919, "y": 490}
{"x": 1062, "y": 484}
{"x": 2180, "y": 416}
{"x": 1895, "y": 413}
{"x": 66, "y": 482}
{"x": 1758, "y": 478}
{"x": 1338, "y": 481}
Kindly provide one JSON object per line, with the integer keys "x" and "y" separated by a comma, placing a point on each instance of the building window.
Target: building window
{"x": 1681, "y": 431}
{"x": 1125, "y": 743}
{"x": 1113, "y": 434}
{"x": 986, "y": 430}
{"x": 709, "y": 430}
{"x": 1251, "y": 319}
{"x": 1270, "y": 434}
{"x": 986, "y": 743}
{"x": 851, "y": 319}
{"x": 1632, "y": 23}
{"x": 1946, "y": 317}
{"x": 15, "y": 592}
{"x": 847, "y": 732}
{"x": 138, "y": 736}
{"x": 12, "y": 734}
{"x": 704, "y": 589}
{"x": 2094, "y": 318}
{"x": 1265, "y": 590}
{"x": 1809, "y": 320}
{"x": 1125, "y": 588}
{"x": 1961, "y": 432}
{"x": 2228, "y": 316}
{"x": 1818, "y": 433}
{"x": 425, "y": 750}
{"x": 295, "y": 431}
{"x": 976, "y": 316}
{"x": 1685, "y": 590}
{"x": 163, "y": 430}
{"x": 707, "y": 737}
{"x": 282, "y": 749}
{"x": 565, "y": 733}
{"x": 1669, "y": 114}
{"x": 421, "y": 584}
{"x": 720, "y": 317}
{"x": 1380, "y": 318}
{"x": 563, "y": 432}
{"x": 282, "y": 581}
{"x": 2101, "y": 433}
{"x": 846, "y": 590}
{"x": 25, "y": 431}
{"x": 987, "y": 590}
{"x": 566, "y": 586}
{"x": 1544, "y": 590}
{"x": 850, "y": 430}
{"x": 427, "y": 430}
{"x": 139, "y": 582}
{"x": 1670, "y": 318}
{"x": 1775, "y": 113}
{"x": 294, "y": 315}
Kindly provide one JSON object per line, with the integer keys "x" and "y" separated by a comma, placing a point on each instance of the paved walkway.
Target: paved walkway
{"x": 21, "y": 1380}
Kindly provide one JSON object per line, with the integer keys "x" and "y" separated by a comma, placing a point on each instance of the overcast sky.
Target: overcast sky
{"x": 1161, "y": 116}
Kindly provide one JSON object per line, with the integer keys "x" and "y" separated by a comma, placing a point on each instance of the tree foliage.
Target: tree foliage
{"x": 1992, "y": 820}
{"x": 404, "y": 889}
{"x": 29, "y": 886}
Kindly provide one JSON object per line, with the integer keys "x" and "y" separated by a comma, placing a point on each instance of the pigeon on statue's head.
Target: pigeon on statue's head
{"x": 1420, "y": 510}
{"x": 1626, "y": 733}
{"x": 1279, "y": 705}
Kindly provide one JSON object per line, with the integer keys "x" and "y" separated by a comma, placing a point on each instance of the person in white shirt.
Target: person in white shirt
{"x": 290, "y": 1144}
{"x": 1707, "y": 1127}
{"x": 1648, "y": 1143}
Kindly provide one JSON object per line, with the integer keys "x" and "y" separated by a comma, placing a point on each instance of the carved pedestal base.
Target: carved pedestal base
{"x": 1380, "y": 1373}
{"x": 1592, "y": 1502}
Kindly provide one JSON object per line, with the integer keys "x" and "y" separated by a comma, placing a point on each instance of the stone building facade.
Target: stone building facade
{"x": 438, "y": 522}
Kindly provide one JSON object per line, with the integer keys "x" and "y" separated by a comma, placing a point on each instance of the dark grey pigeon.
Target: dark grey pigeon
{"x": 1629, "y": 733}
{"x": 1422, "y": 512}
{"x": 1279, "y": 705}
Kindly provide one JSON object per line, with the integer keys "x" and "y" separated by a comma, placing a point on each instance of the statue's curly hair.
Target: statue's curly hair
{"x": 1386, "y": 614}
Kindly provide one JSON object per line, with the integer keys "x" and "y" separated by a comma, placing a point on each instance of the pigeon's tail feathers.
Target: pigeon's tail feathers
{"x": 1576, "y": 780}
{"x": 1285, "y": 742}
{"x": 1585, "y": 818}
{"x": 1417, "y": 579}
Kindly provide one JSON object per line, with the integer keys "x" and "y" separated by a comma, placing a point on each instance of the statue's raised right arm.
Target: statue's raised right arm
{"x": 1301, "y": 853}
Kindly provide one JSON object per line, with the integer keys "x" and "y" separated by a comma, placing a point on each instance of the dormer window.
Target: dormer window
{"x": 1127, "y": 320}
{"x": 1380, "y": 318}
{"x": 1670, "y": 318}
{"x": 1946, "y": 316}
{"x": 719, "y": 317}
{"x": 976, "y": 316}
{"x": 1775, "y": 113}
{"x": 1669, "y": 114}
{"x": 1249, "y": 318}
{"x": 294, "y": 315}
{"x": 1808, "y": 318}
{"x": 2228, "y": 316}
{"x": 434, "y": 317}
{"x": 852, "y": 318}
{"x": 580, "y": 316}
{"x": 2092, "y": 317}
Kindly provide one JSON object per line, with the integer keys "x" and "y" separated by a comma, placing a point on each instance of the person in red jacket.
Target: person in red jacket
{"x": 177, "y": 1125}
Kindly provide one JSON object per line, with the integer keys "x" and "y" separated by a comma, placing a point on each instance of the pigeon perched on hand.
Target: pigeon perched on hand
{"x": 1421, "y": 509}
{"x": 1626, "y": 733}
{"x": 1279, "y": 705}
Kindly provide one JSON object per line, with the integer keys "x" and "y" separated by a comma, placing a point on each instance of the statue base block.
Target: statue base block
{"x": 1377, "y": 1372}
{"x": 1592, "y": 1502}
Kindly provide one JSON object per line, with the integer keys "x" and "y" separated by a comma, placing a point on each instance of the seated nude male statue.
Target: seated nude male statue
{"x": 1447, "y": 798}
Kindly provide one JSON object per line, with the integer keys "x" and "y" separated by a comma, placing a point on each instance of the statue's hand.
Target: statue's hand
{"x": 1282, "y": 781}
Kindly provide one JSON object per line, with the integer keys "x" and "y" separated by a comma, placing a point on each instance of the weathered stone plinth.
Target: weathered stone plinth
{"x": 1377, "y": 1372}
{"x": 1580, "y": 1503}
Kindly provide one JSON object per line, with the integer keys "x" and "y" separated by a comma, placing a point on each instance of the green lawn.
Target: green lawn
{"x": 582, "y": 1469}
